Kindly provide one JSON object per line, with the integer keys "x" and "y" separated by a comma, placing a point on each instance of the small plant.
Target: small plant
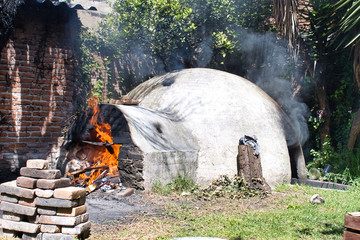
{"x": 179, "y": 185}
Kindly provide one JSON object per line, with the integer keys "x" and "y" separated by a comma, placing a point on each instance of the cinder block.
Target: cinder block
{"x": 9, "y": 198}
{"x": 27, "y": 202}
{"x": 57, "y": 236}
{"x": 37, "y": 164}
{"x": 21, "y": 226}
{"x": 44, "y": 193}
{"x": 49, "y": 228}
{"x": 10, "y": 188}
{"x": 51, "y": 211}
{"x": 53, "y": 183}
{"x": 69, "y": 193}
{"x": 26, "y": 182}
{"x": 77, "y": 230}
{"x": 71, "y": 212}
{"x": 18, "y": 209}
{"x": 42, "y": 174}
{"x": 55, "y": 202}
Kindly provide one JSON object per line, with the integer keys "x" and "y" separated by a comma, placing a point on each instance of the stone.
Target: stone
{"x": 57, "y": 236}
{"x": 82, "y": 201}
{"x": 26, "y": 182}
{"x": 32, "y": 219}
{"x": 63, "y": 221}
{"x": 12, "y": 216}
{"x": 47, "y": 193}
{"x": 21, "y": 226}
{"x": 126, "y": 192}
{"x": 53, "y": 183}
{"x": 9, "y": 198}
{"x": 69, "y": 193}
{"x": 32, "y": 236}
{"x": 316, "y": 199}
{"x": 71, "y": 212}
{"x": 49, "y": 228}
{"x": 17, "y": 208}
{"x": 42, "y": 174}
{"x": 27, "y": 202}
{"x": 37, "y": 164}
{"x": 7, "y": 233}
{"x": 77, "y": 230}
{"x": 55, "y": 202}
{"x": 10, "y": 188}
{"x": 47, "y": 211}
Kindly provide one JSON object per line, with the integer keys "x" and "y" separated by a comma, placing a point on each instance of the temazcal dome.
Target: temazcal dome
{"x": 213, "y": 110}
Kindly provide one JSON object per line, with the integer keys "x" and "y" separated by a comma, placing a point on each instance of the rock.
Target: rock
{"x": 12, "y": 216}
{"x": 55, "y": 202}
{"x": 9, "y": 198}
{"x": 71, "y": 212}
{"x": 49, "y": 228}
{"x": 47, "y": 211}
{"x": 316, "y": 199}
{"x": 63, "y": 221}
{"x": 10, "y": 188}
{"x": 77, "y": 230}
{"x": 20, "y": 226}
{"x": 126, "y": 192}
{"x": 48, "y": 193}
{"x": 18, "y": 209}
{"x": 58, "y": 236}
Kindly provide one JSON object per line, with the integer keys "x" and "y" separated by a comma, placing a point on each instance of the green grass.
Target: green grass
{"x": 289, "y": 217}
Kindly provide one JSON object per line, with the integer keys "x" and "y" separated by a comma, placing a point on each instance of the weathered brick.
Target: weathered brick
{"x": 53, "y": 183}
{"x": 18, "y": 209}
{"x": 49, "y": 228}
{"x": 10, "y": 188}
{"x": 12, "y": 216}
{"x": 21, "y": 226}
{"x": 69, "y": 193}
{"x": 48, "y": 193}
{"x": 9, "y": 198}
{"x": 62, "y": 221}
{"x": 43, "y": 174}
{"x": 51, "y": 211}
{"x": 77, "y": 230}
{"x": 37, "y": 164}
{"x": 27, "y": 202}
{"x": 56, "y": 202}
{"x": 72, "y": 212}
{"x": 26, "y": 182}
{"x": 58, "y": 236}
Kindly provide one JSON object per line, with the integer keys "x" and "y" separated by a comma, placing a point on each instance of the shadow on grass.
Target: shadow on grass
{"x": 236, "y": 238}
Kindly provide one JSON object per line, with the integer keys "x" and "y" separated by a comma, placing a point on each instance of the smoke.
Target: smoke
{"x": 267, "y": 60}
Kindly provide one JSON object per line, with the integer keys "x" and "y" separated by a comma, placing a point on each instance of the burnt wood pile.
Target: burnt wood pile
{"x": 41, "y": 205}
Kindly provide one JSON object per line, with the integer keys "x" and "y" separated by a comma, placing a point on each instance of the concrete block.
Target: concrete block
{"x": 21, "y": 226}
{"x": 55, "y": 202}
{"x": 69, "y": 193}
{"x": 37, "y": 163}
{"x": 60, "y": 220}
{"x": 77, "y": 230}
{"x": 57, "y": 236}
{"x": 10, "y": 188}
{"x": 53, "y": 183}
{"x": 17, "y": 208}
{"x": 12, "y": 216}
{"x": 26, "y": 182}
{"x": 47, "y": 211}
{"x": 71, "y": 212}
{"x": 9, "y": 198}
{"x": 50, "y": 228}
{"x": 27, "y": 202}
{"x": 42, "y": 174}
{"x": 48, "y": 193}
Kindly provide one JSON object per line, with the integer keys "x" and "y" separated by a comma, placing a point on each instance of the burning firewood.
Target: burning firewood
{"x": 85, "y": 170}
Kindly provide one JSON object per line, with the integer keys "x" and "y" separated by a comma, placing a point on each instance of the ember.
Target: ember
{"x": 103, "y": 158}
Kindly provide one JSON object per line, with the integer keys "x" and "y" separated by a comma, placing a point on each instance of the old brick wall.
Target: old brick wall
{"x": 36, "y": 85}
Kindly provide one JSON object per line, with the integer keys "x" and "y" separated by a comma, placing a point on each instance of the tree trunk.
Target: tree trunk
{"x": 324, "y": 113}
{"x": 355, "y": 127}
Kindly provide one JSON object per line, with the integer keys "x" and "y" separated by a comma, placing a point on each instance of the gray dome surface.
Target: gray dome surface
{"x": 219, "y": 108}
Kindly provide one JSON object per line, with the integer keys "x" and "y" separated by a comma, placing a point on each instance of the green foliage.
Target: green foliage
{"x": 179, "y": 185}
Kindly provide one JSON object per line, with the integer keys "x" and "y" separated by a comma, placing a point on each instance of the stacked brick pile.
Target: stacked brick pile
{"x": 41, "y": 205}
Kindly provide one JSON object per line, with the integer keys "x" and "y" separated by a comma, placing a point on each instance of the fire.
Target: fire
{"x": 104, "y": 159}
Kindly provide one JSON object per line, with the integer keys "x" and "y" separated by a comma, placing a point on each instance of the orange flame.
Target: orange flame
{"x": 102, "y": 156}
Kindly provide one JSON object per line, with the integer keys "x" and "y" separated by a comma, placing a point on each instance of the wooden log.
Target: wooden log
{"x": 249, "y": 168}
{"x": 352, "y": 221}
{"x": 348, "y": 235}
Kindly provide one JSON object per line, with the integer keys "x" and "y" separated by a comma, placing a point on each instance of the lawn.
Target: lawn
{"x": 285, "y": 214}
